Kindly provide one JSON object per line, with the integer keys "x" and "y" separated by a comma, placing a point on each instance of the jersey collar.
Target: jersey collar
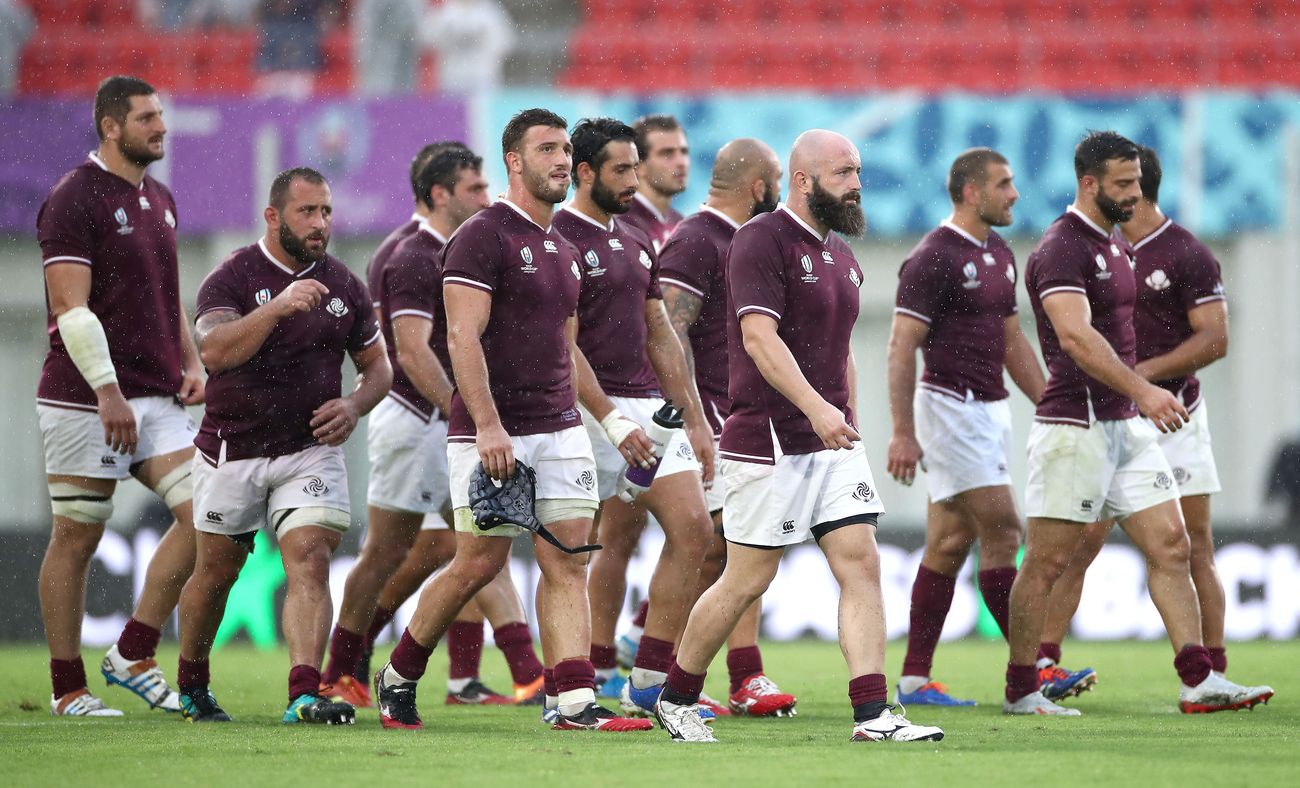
{"x": 524, "y": 214}
{"x": 261, "y": 244}
{"x": 94, "y": 156}
{"x": 721, "y": 215}
{"x": 802, "y": 223}
{"x": 948, "y": 223}
{"x": 649, "y": 206}
{"x": 1150, "y": 237}
{"x": 570, "y": 209}
{"x": 425, "y": 227}
{"x": 1096, "y": 228}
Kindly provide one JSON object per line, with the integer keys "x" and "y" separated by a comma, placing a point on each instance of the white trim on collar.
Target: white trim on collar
{"x": 568, "y": 206}
{"x": 802, "y": 223}
{"x": 1086, "y": 220}
{"x": 951, "y": 225}
{"x": 524, "y": 214}
{"x": 261, "y": 244}
{"x": 416, "y": 217}
{"x": 1154, "y": 233}
{"x": 425, "y": 227}
{"x": 94, "y": 156}
{"x": 720, "y": 215}
{"x": 644, "y": 200}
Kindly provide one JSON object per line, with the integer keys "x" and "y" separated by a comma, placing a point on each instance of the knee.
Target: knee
{"x": 474, "y": 570}
{"x": 1044, "y": 567}
{"x": 951, "y": 547}
{"x": 75, "y": 539}
{"x": 1172, "y": 551}
{"x": 312, "y": 566}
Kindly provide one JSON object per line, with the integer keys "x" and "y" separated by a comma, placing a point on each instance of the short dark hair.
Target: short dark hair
{"x": 648, "y": 123}
{"x": 591, "y": 137}
{"x": 1151, "y": 173}
{"x": 971, "y": 167}
{"x": 524, "y": 120}
{"x": 443, "y": 169}
{"x": 422, "y": 158}
{"x": 113, "y": 99}
{"x": 280, "y": 186}
{"x": 1099, "y": 147}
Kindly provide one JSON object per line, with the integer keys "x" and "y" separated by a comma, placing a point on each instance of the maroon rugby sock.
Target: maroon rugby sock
{"x": 67, "y": 675}
{"x": 410, "y": 658}
{"x": 345, "y": 649}
{"x": 1219, "y": 659}
{"x": 995, "y": 587}
{"x": 548, "y": 683}
{"x": 1050, "y": 651}
{"x": 681, "y": 687}
{"x": 574, "y": 674}
{"x": 743, "y": 663}
{"x": 516, "y": 643}
{"x": 303, "y": 680}
{"x": 604, "y": 657}
{"x": 641, "y": 613}
{"x": 1193, "y": 664}
{"x": 868, "y": 694}
{"x": 195, "y": 674}
{"x": 383, "y": 617}
{"x": 1022, "y": 680}
{"x": 138, "y": 641}
{"x": 654, "y": 654}
{"x": 931, "y": 599}
{"x": 464, "y": 649}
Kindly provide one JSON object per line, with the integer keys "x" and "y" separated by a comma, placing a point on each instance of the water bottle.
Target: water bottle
{"x": 663, "y": 425}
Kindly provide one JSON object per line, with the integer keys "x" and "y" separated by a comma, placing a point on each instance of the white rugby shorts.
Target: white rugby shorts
{"x": 408, "y": 460}
{"x": 1111, "y": 469}
{"x": 715, "y": 495}
{"x": 1191, "y": 456}
{"x": 801, "y": 496}
{"x": 966, "y": 442}
{"x": 610, "y": 465}
{"x": 74, "y": 437}
{"x": 240, "y": 496}
{"x": 562, "y": 461}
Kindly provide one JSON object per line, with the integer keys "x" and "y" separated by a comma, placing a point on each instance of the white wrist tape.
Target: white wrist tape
{"x": 617, "y": 427}
{"x": 83, "y": 336}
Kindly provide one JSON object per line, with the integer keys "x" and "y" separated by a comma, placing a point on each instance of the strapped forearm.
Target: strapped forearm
{"x": 87, "y": 345}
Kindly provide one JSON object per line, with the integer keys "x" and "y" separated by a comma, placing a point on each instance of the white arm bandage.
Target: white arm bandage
{"x": 617, "y": 427}
{"x": 83, "y": 336}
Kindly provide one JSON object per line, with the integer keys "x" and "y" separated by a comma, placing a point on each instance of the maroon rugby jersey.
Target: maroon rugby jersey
{"x": 644, "y": 216}
{"x": 375, "y": 268}
{"x": 411, "y": 284}
{"x": 126, "y": 235}
{"x": 693, "y": 260}
{"x": 779, "y": 267}
{"x": 964, "y": 291}
{"x": 1077, "y": 256}
{"x": 1175, "y": 274}
{"x": 534, "y": 277}
{"x": 263, "y": 407}
{"x": 619, "y": 275}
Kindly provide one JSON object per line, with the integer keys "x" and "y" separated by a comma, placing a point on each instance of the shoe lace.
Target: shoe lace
{"x": 762, "y": 685}
{"x": 91, "y": 703}
{"x": 690, "y": 724}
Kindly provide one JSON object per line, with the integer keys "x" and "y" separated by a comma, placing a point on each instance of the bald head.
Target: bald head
{"x": 741, "y": 162}
{"x": 825, "y": 183}
{"x": 819, "y": 151}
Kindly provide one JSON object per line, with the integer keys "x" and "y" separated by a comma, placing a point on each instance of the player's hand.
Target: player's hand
{"x": 829, "y": 424}
{"x": 192, "y": 382}
{"x": 118, "y": 419}
{"x": 334, "y": 421}
{"x": 904, "y": 454}
{"x": 700, "y": 434}
{"x": 1162, "y": 408}
{"x": 496, "y": 452}
{"x": 300, "y": 296}
{"x": 629, "y": 438}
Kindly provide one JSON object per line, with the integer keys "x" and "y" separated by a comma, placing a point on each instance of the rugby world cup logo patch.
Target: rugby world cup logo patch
{"x": 337, "y": 308}
{"x": 592, "y": 259}
{"x": 262, "y": 296}
{"x": 806, "y": 262}
{"x": 527, "y": 254}
{"x": 1102, "y": 273}
{"x": 972, "y": 276}
{"x": 123, "y": 222}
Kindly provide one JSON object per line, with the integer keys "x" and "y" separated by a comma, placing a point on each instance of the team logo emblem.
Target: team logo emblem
{"x": 685, "y": 451}
{"x": 215, "y": 517}
{"x": 827, "y": 257}
{"x": 1181, "y": 475}
{"x": 262, "y": 296}
{"x": 988, "y": 259}
{"x": 615, "y": 244}
{"x": 592, "y": 259}
{"x": 1011, "y": 273}
{"x": 1163, "y": 481}
{"x": 1114, "y": 250}
{"x": 787, "y": 527}
{"x": 1102, "y": 273}
{"x": 144, "y": 203}
{"x": 806, "y": 262}
{"x": 972, "y": 276}
{"x": 550, "y": 246}
{"x": 108, "y": 461}
{"x": 337, "y": 308}
{"x": 169, "y": 218}
{"x": 854, "y": 278}
{"x": 1218, "y": 288}
{"x": 123, "y": 222}
{"x": 577, "y": 272}
{"x": 587, "y": 480}
{"x": 315, "y": 487}
{"x": 1085, "y": 505}
{"x": 645, "y": 259}
{"x": 864, "y": 492}
{"x": 527, "y": 254}
{"x": 1158, "y": 280}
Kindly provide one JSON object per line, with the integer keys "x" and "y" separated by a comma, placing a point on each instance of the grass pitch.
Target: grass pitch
{"x": 1131, "y": 732}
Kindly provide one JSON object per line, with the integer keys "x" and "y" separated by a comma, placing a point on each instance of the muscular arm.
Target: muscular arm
{"x": 1207, "y": 344}
{"x": 678, "y": 381}
{"x": 468, "y": 310}
{"x": 191, "y": 392}
{"x": 1071, "y": 317}
{"x": 1021, "y": 363}
{"x": 590, "y": 394}
{"x": 777, "y": 365}
{"x": 411, "y": 336}
{"x": 227, "y": 339}
{"x": 683, "y": 310}
{"x": 905, "y": 338}
{"x": 852, "y": 372}
{"x": 333, "y": 422}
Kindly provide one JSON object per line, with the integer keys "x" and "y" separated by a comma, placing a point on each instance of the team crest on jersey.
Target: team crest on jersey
{"x": 645, "y": 259}
{"x": 144, "y": 204}
{"x": 615, "y": 244}
{"x": 1011, "y": 273}
{"x": 1102, "y": 273}
{"x": 972, "y": 274}
{"x": 1158, "y": 280}
{"x": 337, "y": 308}
{"x": 854, "y": 278}
{"x": 550, "y": 246}
{"x": 827, "y": 257}
{"x": 262, "y": 296}
{"x": 577, "y": 272}
{"x": 123, "y": 222}
{"x": 989, "y": 259}
{"x": 169, "y": 218}
{"x": 1114, "y": 250}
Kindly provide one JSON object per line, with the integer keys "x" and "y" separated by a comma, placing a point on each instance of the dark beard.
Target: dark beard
{"x": 1115, "y": 213}
{"x": 297, "y": 248}
{"x": 837, "y": 213}
{"x": 767, "y": 204}
{"x": 139, "y": 155}
{"x": 606, "y": 199}
{"x": 539, "y": 185}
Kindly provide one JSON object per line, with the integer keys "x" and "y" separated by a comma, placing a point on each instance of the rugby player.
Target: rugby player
{"x": 120, "y": 368}
{"x": 274, "y": 320}
{"x": 1092, "y": 455}
{"x": 375, "y": 267}
{"x": 745, "y": 182}
{"x": 792, "y": 460}
{"x": 956, "y": 303}
{"x": 407, "y": 441}
{"x": 508, "y": 275}
{"x": 664, "y": 164}
{"x": 628, "y": 359}
{"x": 1181, "y": 326}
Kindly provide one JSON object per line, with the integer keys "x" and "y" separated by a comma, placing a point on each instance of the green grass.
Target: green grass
{"x": 1131, "y": 731}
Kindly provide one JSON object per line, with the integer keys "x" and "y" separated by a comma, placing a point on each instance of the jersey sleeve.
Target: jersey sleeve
{"x": 365, "y": 327}
{"x": 1058, "y": 268}
{"x": 66, "y": 226}
{"x": 652, "y": 289}
{"x": 756, "y": 273}
{"x": 922, "y": 287}
{"x": 687, "y": 261}
{"x": 1201, "y": 279}
{"x": 409, "y": 284}
{"x": 473, "y": 257}
{"x": 220, "y": 291}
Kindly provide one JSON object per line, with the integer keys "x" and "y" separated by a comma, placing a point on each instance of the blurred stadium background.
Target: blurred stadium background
{"x": 354, "y": 87}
